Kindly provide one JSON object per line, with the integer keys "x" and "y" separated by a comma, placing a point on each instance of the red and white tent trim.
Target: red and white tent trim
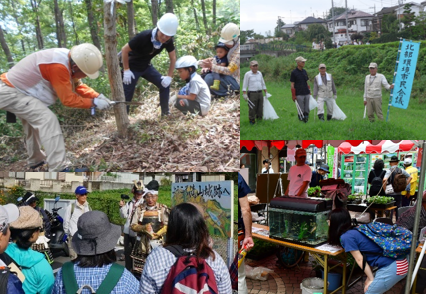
{"x": 279, "y": 144}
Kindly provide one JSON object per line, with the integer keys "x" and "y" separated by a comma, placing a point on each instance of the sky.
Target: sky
{"x": 263, "y": 16}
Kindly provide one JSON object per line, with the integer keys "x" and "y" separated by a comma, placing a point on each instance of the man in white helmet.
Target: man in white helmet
{"x": 195, "y": 96}
{"x": 35, "y": 83}
{"x": 137, "y": 55}
{"x": 230, "y": 36}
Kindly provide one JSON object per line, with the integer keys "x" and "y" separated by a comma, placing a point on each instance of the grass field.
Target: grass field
{"x": 409, "y": 123}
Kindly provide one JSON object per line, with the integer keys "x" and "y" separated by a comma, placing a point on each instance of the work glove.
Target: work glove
{"x": 102, "y": 103}
{"x": 245, "y": 97}
{"x": 102, "y": 96}
{"x": 128, "y": 76}
{"x": 408, "y": 188}
{"x": 293, "y": 94}
{"x": 165, "y": 81}
{"x": 335, "y": 97}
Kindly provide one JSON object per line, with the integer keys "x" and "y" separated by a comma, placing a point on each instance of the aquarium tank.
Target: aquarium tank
{"x": 302, "y": 221}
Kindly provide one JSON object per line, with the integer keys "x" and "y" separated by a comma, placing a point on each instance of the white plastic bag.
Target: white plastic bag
{"x": 337, "y": 112}
{"x": 257, "y": 273}
{"x": 268, "y": 109}
{"x": 312, "y": 103}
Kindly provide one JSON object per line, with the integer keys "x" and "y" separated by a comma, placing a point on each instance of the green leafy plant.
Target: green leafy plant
{"x": 380, "y": 200}
{"x": 314, "y": 191}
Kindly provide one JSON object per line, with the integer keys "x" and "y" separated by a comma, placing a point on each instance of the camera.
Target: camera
{"x": 125, "y": 197}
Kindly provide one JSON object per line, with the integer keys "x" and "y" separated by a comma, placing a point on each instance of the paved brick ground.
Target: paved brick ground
{"x": 287, "y": 281}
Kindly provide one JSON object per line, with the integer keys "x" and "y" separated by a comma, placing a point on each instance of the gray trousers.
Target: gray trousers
{"x": 303, "y": 101}
{"x": 374, "y": 106}
{"x": 257, "y": 111}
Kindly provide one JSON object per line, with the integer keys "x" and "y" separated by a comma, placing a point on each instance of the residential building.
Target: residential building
{"x": 359, "y": 22}
{"x": 304, "y": 24}
{"x": 290, "y": 29}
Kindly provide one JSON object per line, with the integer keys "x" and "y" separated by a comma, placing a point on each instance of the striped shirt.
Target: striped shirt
{"x": 159, "y": 263}
{"x": 94, "y": 276}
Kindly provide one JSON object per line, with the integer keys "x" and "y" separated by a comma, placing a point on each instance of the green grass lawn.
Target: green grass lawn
{"x": 409, "y": 123}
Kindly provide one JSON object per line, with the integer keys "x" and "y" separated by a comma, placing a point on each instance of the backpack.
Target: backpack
{"x": 73, "y": 208}
{"x": 398, "y": 180}
{"x": 107, "y": 285}
{"x": 189, "y": 275}
{"x": 9, "y": 283}
{"x": 376, "y": 183}
{"x": 394, "y": 240}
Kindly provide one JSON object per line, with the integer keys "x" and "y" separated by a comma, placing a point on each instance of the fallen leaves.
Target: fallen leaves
{"x": 172, "y": 144}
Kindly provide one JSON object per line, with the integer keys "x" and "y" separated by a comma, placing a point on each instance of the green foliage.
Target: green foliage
{"x": 10, "y": 129}
{"x": 389, "y": 24}
{"x": 380, "y": 200}
{"x": 277, "y": 31}
{"x": 314, "y": 191}
{"x": 337, "y": 12}
{"x": 318, "y": 32}
{"x": 244, "y": 35}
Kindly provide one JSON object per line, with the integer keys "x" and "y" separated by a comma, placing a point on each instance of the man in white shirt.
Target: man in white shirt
{"x": 373, "y": 92}
{"x": 127, "y": 211}
{"x": 299, "y": 176}
{"x": 73, "y": 213}
{"x": 267, "y": 167}
{"x": 252, "y": 89}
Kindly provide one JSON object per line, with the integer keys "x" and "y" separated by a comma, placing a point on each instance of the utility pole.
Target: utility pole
{"x": 347, "y": 33}
{"x": 374, "y": 15}
{"x": 332, "y": 17}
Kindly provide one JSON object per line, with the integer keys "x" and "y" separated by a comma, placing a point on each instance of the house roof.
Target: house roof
{"x": 335, "y": 17}
{"x": 387, "y": 10}
{"x": 355, "y": 14}
{"x": 288, "y": 26}
{"x": 310, "y": 20}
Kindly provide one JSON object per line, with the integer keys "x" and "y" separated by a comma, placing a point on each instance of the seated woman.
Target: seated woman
{"x": 342, "y": 233}
{"x": 95, "y": 266}
{"x": 230, "y": 75}
{"x": 188, "y": 230}
{"x": 37, "y": 271}
{"x": 195, "y": 96}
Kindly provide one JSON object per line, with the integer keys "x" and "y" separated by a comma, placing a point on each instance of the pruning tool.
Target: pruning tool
{"x": 92, "y": 109}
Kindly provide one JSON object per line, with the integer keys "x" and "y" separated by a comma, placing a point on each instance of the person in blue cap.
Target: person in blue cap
{"x": 73, "y": 213}
{"x": 318, "y": 175}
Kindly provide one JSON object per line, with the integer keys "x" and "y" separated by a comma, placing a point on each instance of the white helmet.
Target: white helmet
{"x": 230, "y": 32}
{"x": 88, "y": 59}
{"x": 168, "y": 24}
{"x": 186, "y": 61}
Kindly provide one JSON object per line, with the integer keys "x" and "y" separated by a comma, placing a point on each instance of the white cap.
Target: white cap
{"x": 8, "y": 213}
{"x": 408, "y": 160}
{"x": 168, "y": 24}
{"x": 186, "y": 61}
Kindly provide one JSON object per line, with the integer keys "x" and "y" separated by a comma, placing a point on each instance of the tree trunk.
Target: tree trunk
{"x": 131, "y": 29}
{"x": 154, "y": 9}
{"x": 76, "y": 41}
{"x": 169, "y": 6}
{"x": 203, "y": 6}
{"x": 214, "y": 13}
{"x": 34, "y": 5}
{"x": 60, "y": 30}
{"x": 114, "y": 73}
{"x": 6, "y": 49}
{"x": 92, "y": 24}
{"x": 195, "y": 15}
{"x": 15, "y": 16}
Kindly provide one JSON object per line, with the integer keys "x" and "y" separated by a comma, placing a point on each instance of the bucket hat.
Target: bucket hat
{"x": 95, "y": 234}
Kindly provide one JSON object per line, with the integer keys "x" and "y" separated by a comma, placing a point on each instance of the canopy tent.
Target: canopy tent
{"x": 383, "y": 147}
{"x": 279, "y": 144}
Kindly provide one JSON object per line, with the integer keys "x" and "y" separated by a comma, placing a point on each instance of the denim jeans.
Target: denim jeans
{"x": 224, "y": 82}
{"x": 153, "y": 76}
{"x": 384, "y": 279}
